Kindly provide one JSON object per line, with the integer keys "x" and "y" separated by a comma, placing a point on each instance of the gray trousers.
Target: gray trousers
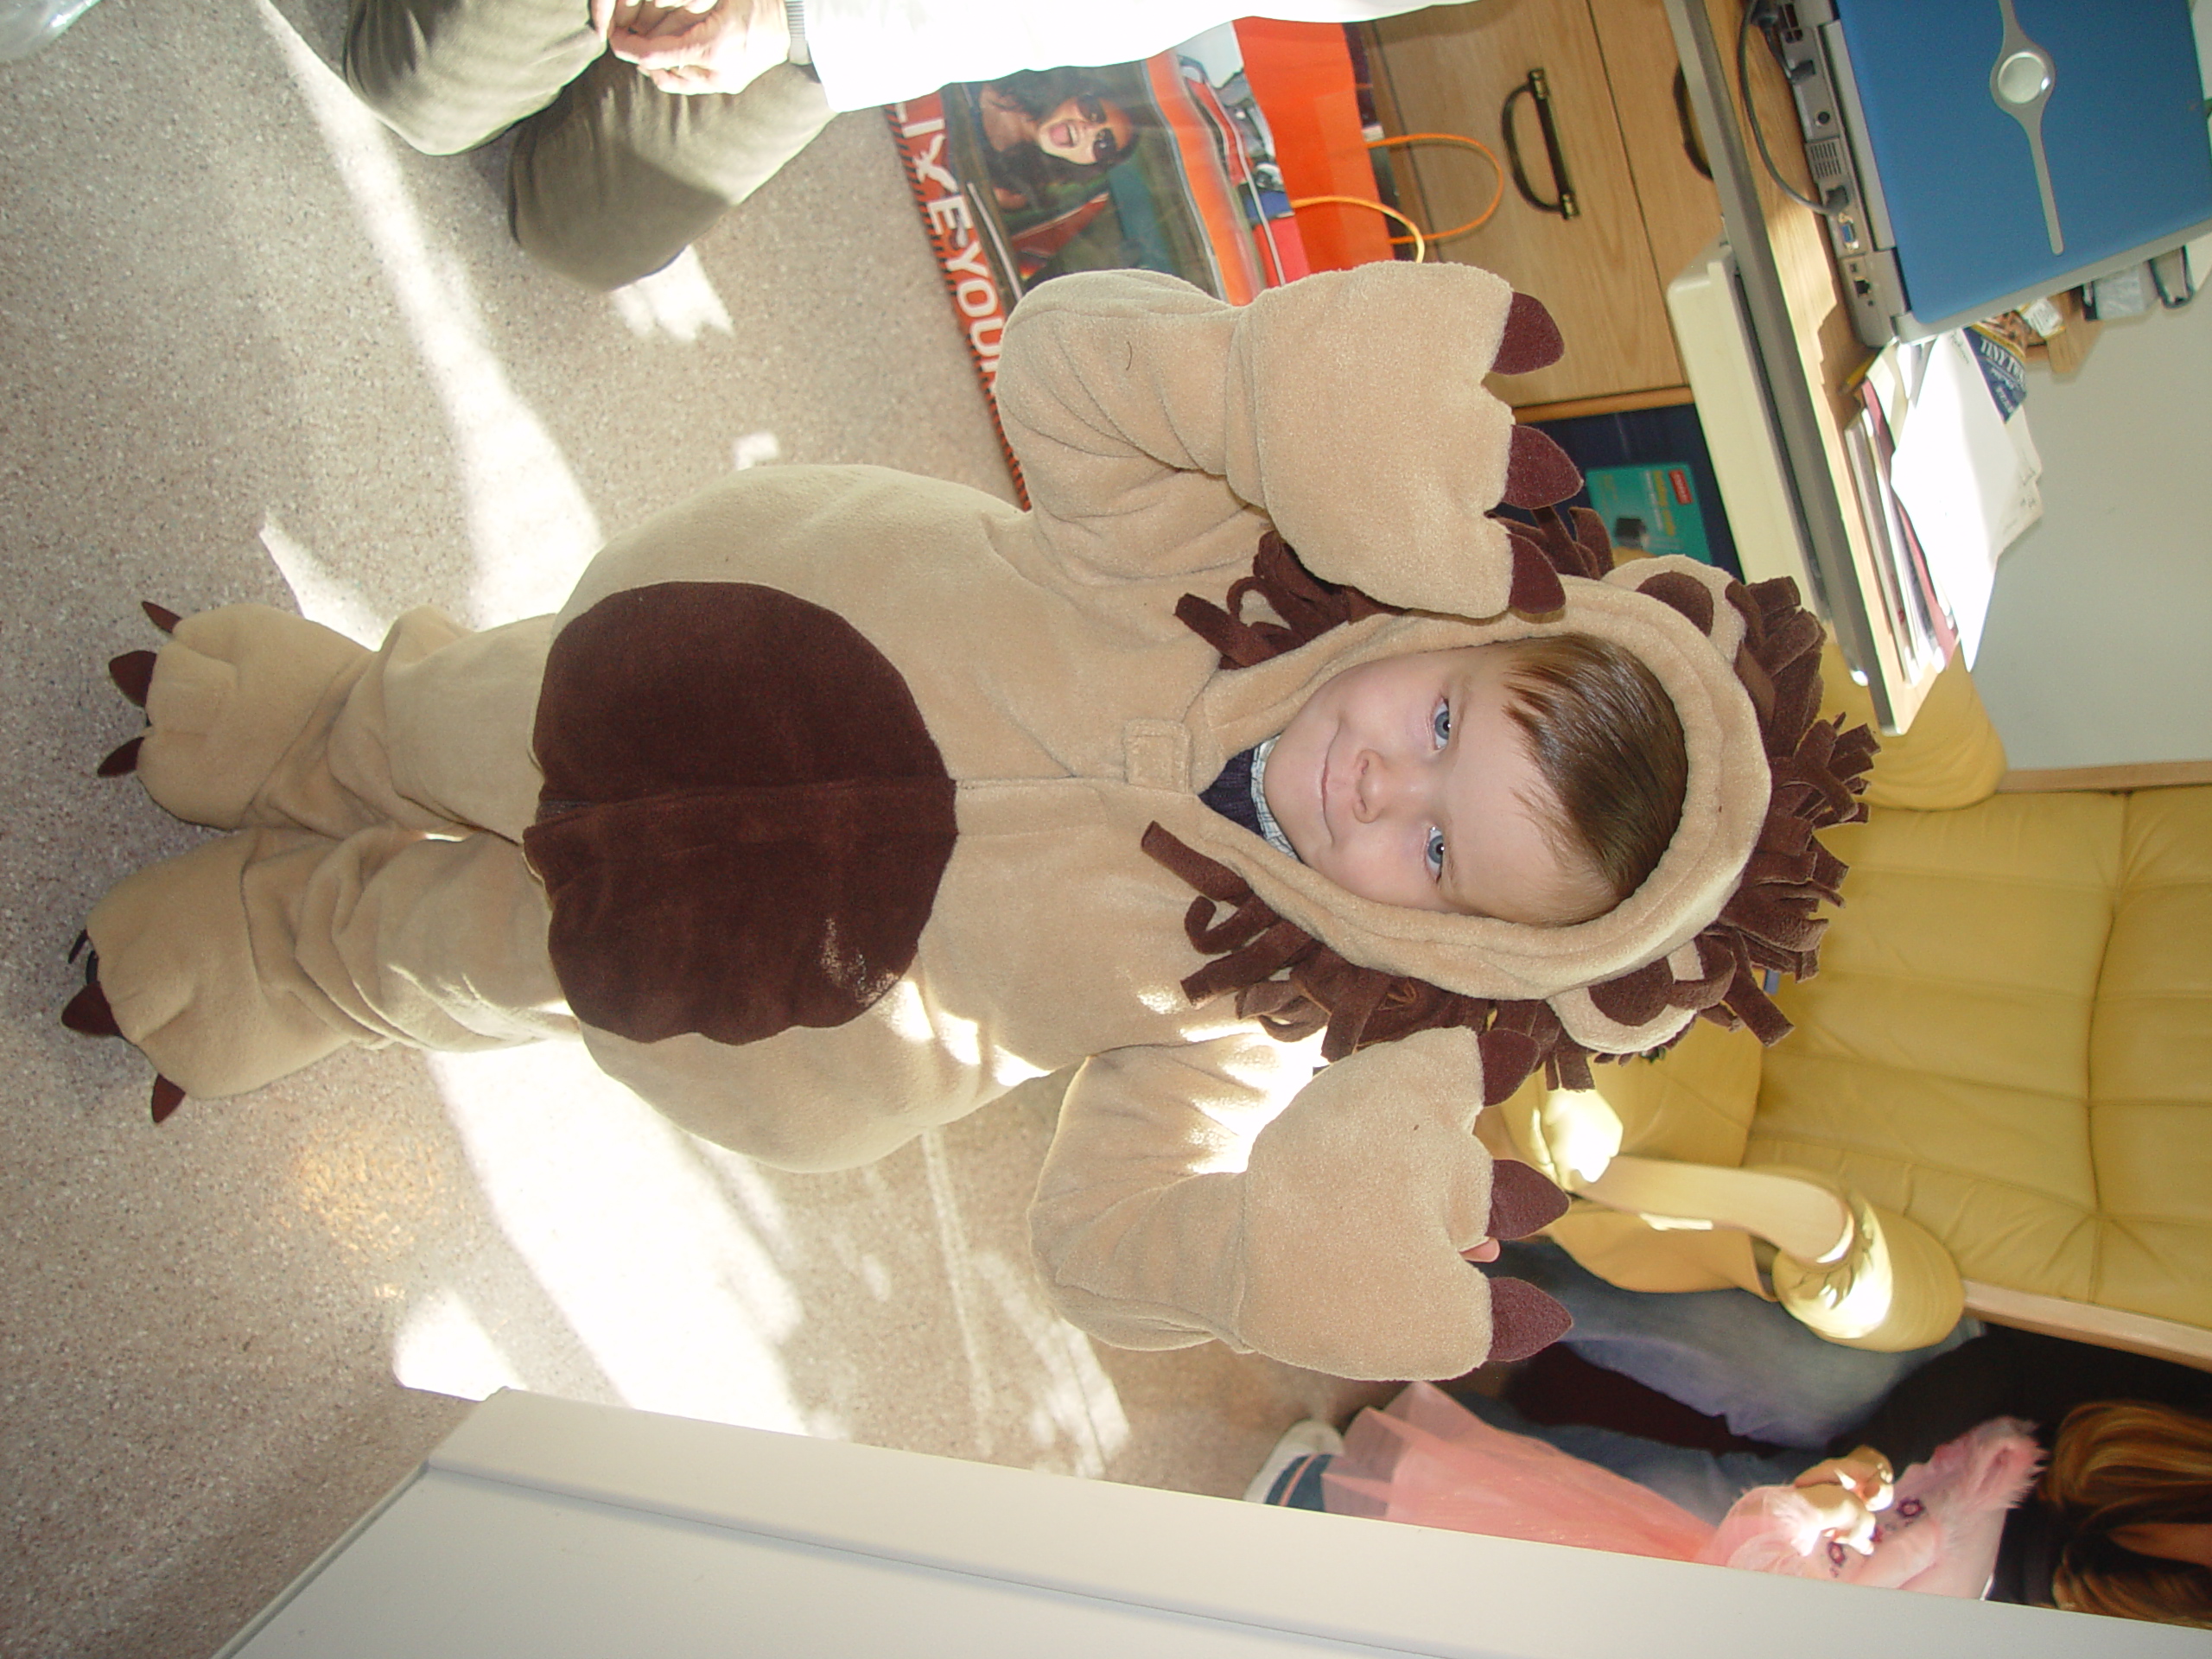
{"x": 610, "y": 178}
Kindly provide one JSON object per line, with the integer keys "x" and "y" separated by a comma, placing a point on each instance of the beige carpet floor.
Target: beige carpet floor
{"x": 252, "y": 348}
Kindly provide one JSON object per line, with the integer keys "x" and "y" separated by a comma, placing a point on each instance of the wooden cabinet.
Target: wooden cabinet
{"x": 1644, "y": 207}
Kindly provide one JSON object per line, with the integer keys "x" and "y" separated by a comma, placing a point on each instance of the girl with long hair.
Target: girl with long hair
{"x": 1050, "y": 136}
{"x": 2129, "y": 1497}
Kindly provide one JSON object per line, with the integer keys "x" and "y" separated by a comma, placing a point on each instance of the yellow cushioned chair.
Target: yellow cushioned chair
{"x": 2005, "y": 1063}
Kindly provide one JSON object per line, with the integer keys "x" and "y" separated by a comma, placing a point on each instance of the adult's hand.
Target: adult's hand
{"x": 698, "y": 46}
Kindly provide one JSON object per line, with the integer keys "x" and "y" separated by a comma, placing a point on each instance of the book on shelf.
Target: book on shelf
{"x": 1912, "y": 605}
{"x": 1933, "y": 608}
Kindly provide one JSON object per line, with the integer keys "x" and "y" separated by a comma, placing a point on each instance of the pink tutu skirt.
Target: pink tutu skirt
{"x": 1426, "y": 1460}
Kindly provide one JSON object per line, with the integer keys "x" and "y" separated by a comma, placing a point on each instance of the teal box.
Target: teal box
{"x": 1653, "y": 509}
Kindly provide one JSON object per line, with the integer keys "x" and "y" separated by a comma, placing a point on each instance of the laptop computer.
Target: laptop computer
{"x": 1976, "y": 154}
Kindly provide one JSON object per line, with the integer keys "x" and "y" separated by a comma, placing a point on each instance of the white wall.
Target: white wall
{"x": 2099, "y": 647}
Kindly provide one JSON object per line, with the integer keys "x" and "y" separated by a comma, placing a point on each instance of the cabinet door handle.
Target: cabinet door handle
{"x": 1693, "y": 140}
{"x": 1537, "y": 88}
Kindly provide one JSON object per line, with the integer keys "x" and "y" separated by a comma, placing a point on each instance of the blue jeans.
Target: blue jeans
{"x": 1725, "y": 1353}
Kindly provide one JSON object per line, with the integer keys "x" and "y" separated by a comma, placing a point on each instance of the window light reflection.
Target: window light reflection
{"x": 665, "y": 1279}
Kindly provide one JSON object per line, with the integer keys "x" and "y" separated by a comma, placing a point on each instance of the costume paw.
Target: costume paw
{"x": 1523, "y": 1320}
{"x": 1537, "y": 472}
{"x": 133, "y": 674}
{"x": 1536, "y": 590}
{"x": 1521, "y": 1201}
{"x": 167, "y": 1097}
{"x": 1531, "y": 341}
{"x": 1509, "y": 1057}
{"x": 88, "y": 1013}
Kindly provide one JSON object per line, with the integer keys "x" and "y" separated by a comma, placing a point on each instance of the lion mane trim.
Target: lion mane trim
{"x": 1295, "y": 985}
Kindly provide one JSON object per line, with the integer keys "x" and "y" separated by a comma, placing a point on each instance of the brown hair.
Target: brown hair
{"x": 1605, "y": 736}
{"x": 2118, "y": 1465}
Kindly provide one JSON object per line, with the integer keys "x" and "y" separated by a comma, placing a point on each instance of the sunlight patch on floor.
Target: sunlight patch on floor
{"x": 1076, "y": 1419}
{"x": 755, "y": 450}
{"x": 677, "y": 301}
{"x": 959, "y": 1274}
{"x": 441, "y": 1347}
{"x": 323, "y": 595}
{"x": 529, "y": 524}
{"x": 668, "y": 1284}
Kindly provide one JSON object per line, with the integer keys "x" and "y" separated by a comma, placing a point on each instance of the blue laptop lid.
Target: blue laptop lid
{"x": 2122, "y": 126}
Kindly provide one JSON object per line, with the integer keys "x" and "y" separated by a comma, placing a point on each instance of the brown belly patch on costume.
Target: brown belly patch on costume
{"x": 744, "y": 819}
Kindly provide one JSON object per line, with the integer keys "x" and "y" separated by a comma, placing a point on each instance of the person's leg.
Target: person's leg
{"x": 445, "y": 75}
{"x": 260, "y": 952}
{"x": 260, "y": 718}
{"x": 374, "y": 891}
{"x": 618, "y": 177}
{"x": 1723, "y": 1352}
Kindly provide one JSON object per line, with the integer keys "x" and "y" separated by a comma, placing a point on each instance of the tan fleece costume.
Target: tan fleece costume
{"x": 819, "y": 814}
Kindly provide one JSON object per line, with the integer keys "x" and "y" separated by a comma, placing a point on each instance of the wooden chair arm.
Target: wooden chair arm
{"x": 2106, "y": 1327}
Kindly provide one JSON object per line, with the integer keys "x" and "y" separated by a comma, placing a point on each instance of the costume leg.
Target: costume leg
{"x": 445, "y": 75}
{"x": 1723, "y": 1352}
{"x": 618, "y": 177}
{"x": 261, "y": 718}
{"x": 256, "y": 954}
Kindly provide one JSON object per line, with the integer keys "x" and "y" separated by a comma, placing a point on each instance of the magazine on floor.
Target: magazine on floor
{"x": 1163, "y": 165}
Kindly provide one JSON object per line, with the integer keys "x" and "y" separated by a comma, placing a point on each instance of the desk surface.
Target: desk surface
{"x": 1802, "y": 338}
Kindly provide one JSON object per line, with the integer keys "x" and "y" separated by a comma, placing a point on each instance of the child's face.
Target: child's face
{"x": 1406, "y": 781}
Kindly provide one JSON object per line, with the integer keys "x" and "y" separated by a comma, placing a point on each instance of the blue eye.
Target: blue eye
{"x": 1435, "y": 853}
{"x": 1441, "y": 724}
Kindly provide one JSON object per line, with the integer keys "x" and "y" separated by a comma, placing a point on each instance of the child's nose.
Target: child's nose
{"x": 1383, "y": 786}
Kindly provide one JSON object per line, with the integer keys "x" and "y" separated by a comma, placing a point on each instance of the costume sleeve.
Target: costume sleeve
{"x": 1348, "y": 407}
{"x": 1335, "y": 1243}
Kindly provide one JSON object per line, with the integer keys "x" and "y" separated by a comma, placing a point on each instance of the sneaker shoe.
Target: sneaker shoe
{"x": 1309, "y": 1438}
